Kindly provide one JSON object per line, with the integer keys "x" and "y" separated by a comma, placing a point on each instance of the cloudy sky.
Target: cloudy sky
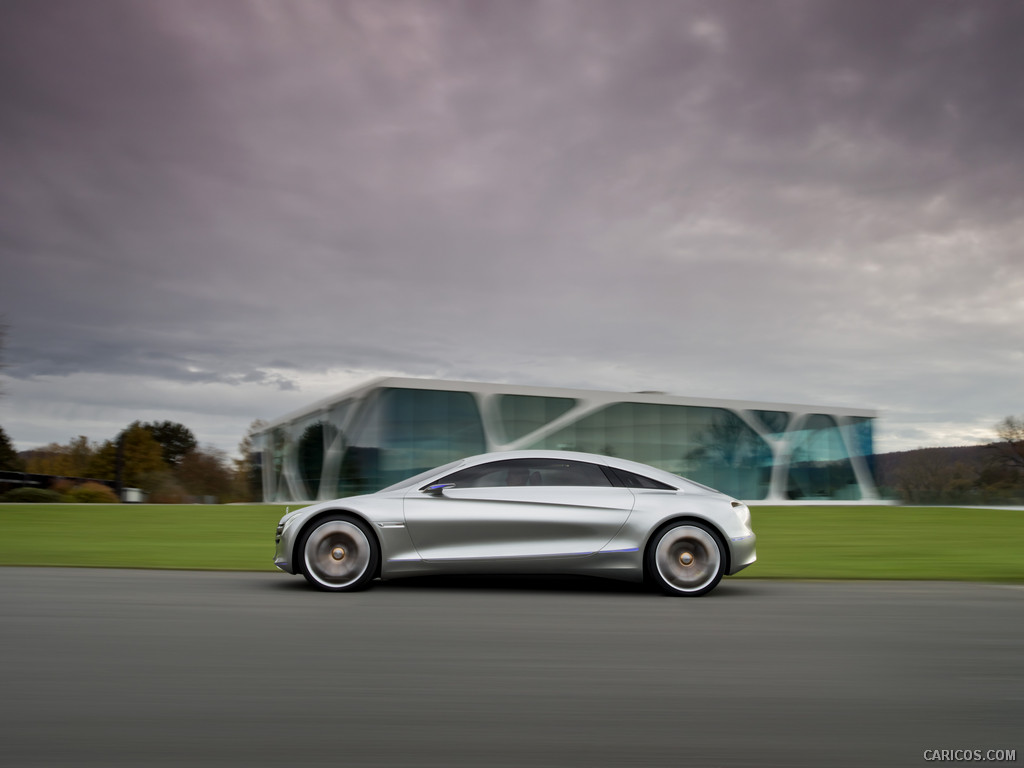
{"x": 222, "y": 210}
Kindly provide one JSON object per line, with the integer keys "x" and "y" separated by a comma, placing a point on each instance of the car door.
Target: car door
{"x": 517, "y": 508}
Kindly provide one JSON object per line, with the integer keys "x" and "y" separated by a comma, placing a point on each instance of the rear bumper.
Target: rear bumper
{"x": 743, "y": 552}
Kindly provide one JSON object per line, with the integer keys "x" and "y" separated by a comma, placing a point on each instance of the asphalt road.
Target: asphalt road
{"x": 116, "y": 668}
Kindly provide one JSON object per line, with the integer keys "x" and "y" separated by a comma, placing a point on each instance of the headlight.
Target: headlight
{"x": 286, "y": 521}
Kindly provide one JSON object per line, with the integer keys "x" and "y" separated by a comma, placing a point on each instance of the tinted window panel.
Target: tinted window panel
{"x": 402, "y": 432}
{"x": 713, "y": 446}
{"x": 515, "y": 472}
{"x": 775, "y": 421}
{"x": 633, "y": 480}
{"x": 820, "y": 467}
{"x": 310, "y": 454}
{"x": 523, "y": 414}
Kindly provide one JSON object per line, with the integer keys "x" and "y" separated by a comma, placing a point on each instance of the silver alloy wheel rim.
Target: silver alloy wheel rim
{"x": 687, "y": 558}
{"x": 337, "y": 553}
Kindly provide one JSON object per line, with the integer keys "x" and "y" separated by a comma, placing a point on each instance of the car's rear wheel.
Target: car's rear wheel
{"x": 685, "y": 559}
{"x": 339, "y": 554}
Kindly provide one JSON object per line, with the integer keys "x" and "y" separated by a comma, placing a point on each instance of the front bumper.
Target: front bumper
{"x": 283, "y": 541}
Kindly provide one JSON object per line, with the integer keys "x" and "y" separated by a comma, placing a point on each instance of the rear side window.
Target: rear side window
{"x": 633, "y": 480}
{"x": 514, "y": 472}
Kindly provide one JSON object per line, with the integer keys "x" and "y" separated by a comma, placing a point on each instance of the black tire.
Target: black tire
{"x": 685, "y": 559}
{"x": 338, "y": 554}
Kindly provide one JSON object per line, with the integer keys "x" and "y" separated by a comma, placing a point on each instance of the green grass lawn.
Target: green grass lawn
{"x": 853, "y": 542}
{"x": 793, "y": 542}
{"x": 206, "y": 537}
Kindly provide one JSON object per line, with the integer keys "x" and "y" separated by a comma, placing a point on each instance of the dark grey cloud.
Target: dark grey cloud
{"x": 799, "y": 201}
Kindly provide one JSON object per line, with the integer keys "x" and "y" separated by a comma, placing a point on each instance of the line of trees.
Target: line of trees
{"x": 161, "y": 458}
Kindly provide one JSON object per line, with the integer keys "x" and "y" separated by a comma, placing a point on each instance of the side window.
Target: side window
{"x": 494, "y": 475}
{"x": 558, "y": 472}
{"x": 515, "y": 472}
{"x": 633, "y": 480}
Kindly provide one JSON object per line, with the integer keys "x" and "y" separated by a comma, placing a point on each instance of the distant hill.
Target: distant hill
{"x": 887, "y": 465}
{"x": 956, "y": 475}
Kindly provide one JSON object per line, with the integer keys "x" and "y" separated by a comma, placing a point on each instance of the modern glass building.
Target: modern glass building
{"x": 370, "y": 437}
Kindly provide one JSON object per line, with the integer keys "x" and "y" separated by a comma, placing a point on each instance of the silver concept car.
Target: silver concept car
{"x": 526, "y": 512}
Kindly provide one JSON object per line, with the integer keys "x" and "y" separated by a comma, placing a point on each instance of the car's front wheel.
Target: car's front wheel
{"x": 685, "y": 559}
{"x": 339, "y": 554}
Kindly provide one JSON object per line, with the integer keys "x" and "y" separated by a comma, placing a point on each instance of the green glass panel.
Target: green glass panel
{"x": 820, "y": 466}
{"x": 310, "y": 449}
{"x": 713, "y": 446}
{"x": 406, "y": 431}
{"x": 523, "y": 414}
{"x": 860, "y": 435}
{"x": 774, "y": 421}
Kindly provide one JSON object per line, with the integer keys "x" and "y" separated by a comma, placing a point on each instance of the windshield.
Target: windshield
{"x": 415, "y": 479}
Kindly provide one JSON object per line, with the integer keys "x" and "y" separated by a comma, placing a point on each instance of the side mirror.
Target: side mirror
{"x": 438, "y": 489}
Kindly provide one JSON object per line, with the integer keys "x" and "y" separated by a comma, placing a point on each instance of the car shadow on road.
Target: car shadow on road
{"x": 562, "y": 584}
{"x": 512, "y": 583}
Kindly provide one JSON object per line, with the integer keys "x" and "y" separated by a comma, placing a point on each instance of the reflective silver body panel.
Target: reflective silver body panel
{"x": 599, "y": 531}
{"x": 531, "y": 522}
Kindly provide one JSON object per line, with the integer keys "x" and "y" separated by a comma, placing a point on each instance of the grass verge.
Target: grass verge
{"x": 793, "y": 542}
{"x": 201, "y": 537}
{"x": 854, "y": 542}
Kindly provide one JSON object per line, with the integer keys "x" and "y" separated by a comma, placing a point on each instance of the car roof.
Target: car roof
{"x": 611, "y": 461}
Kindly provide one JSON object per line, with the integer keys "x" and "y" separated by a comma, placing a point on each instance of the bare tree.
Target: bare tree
{"x": 1011, "y": 441}
{"x": 248, "y": 468}
{"x": 204, "y": 472}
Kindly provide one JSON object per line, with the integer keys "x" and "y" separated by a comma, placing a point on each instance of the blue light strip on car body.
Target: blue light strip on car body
{"x": 519, "y": 557}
